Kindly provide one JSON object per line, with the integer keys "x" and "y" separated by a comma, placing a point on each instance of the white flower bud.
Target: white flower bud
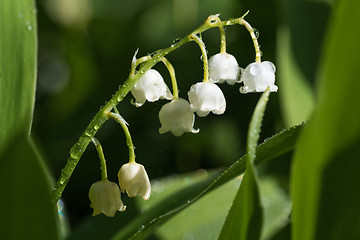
{"x": 257, "y": 77}
{"x": 223, "y": 67}
{"x": 105, "y": 197}
{"x": 134, "y": 180}
{"x": 177, "y": 117}
{"x": 151, "y": 87}
{"x": 206, "y": 97}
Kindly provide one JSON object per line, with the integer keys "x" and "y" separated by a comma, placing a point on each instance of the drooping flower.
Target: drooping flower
{"x": 105, "y": 197}
{"x": 151, "y": 87}
{"x": 257, "y": 77}
{"x": 207, "y": 97}
{"x": 223, "y": 67}
{"x": 177, "y": 117}
{"x": 134, "y": 180}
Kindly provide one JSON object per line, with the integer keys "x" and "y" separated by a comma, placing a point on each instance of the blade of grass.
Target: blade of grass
{"x": 244, "y": 220}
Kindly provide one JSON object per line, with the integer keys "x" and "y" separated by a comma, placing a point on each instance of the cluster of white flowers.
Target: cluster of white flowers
{"x": 105, "y": 196}
{"x": 178, "y": 116}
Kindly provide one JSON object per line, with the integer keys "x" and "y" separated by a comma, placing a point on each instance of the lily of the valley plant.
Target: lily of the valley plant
{"x": 177, "y": 116}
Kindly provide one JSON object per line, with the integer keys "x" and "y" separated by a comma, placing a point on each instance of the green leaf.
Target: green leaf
{"x": 17, "y": 68}
{"x": 244, "y": 220}
{"x": 204, "y": 218}
{"x": 255, "y": 126}
{"x": 25, "y": 206}
{"x": 297, "y": 98}
{"x": 329, "y": 141}
{"x": 245, "y": 216}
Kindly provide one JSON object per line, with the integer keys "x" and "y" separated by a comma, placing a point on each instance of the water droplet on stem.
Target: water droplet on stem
{"x": 256, "y": 32}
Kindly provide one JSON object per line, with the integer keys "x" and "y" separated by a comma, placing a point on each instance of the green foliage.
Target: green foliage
{"x": 26, "y": 209}
{"x": 324, "y": 175}
{"x": 85, "y": 55}
{"x": 17, "y": 69}
{"x": 246, "y": 208}
{"x": 26, "y": 212}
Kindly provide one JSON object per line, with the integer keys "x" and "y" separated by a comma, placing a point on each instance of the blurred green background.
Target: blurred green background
{"x": 85, "y": 51}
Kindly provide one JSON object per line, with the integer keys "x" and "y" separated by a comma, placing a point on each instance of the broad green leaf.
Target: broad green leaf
{"x": 277, "y": 207}
{"x": 203, "y": 220}
{"x": 329, "y": 139}
{"x": 25, "y": 206}
{"x": 339, "y": 211}
{"x": 244, "y": 220}
{"x": 297, "y": 98}
{"x": 245, "y": 217}
{"x": 17, "y": 68}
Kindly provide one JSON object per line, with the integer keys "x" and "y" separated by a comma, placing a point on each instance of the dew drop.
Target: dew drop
{"x": 29, "y": 28}
{"x": 74, "y": 154}
{"x": 155, "y": 53}
{"x": 89, "y": 132}
{"x": 256, "y": 32}
{"x": 21, "y": 15}
{"x": 175, "y": 41}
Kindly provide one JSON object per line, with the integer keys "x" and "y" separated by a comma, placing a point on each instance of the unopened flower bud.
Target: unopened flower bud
{"x": 223, "y": 67}
{"x": 105, "y": 197}
{"x": 177, "y": 117}
{"x": 134, "y": 180}
{"x": 257, "y": 77}
{"x": 151, "y": 87}
{"x": 206, "y": 97}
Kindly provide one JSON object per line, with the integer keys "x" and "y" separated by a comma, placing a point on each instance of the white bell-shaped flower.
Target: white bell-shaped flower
{"x": 223, "y": 67}
{"x": 206, "y": 97}
{"x": 151, "y": 87}
{"x": 134, "y": 180}
{"x": 105, "y": 197}
{"x": 257, "y": 77}
{"x": 177, "y": 117}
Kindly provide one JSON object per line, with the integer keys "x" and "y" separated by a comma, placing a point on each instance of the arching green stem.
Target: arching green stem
{"x": 118, "y": 118}
{"x": 172, "y": 76}
{"x": 102, "y": 158}
{"x": 204, "y": 55}
{"x": 254, "y": 37}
